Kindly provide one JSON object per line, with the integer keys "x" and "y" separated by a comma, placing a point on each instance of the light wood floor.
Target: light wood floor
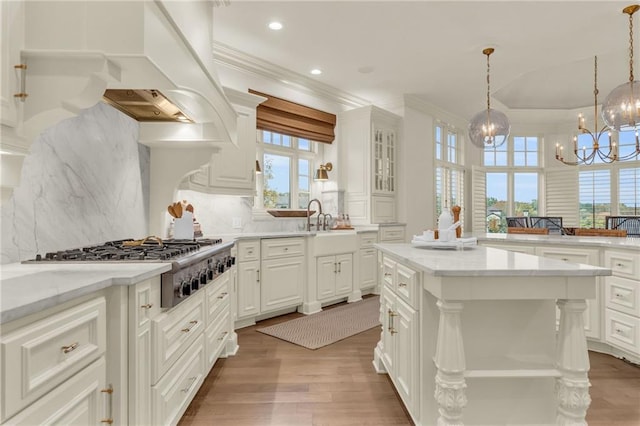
{"x": 272, "y": 382}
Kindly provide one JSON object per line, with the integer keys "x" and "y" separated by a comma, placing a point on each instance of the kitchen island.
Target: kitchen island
{"x": 469, "y": 336}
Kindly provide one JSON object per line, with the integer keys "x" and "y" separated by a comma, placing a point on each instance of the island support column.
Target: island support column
{"x": 572, "y": 358}
{"x": 449, "y": 360}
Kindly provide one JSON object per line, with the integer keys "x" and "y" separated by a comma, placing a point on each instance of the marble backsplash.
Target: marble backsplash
{"x": 85, "y": 181}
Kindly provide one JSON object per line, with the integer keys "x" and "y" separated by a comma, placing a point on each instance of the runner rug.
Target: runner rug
{"x": 329, "y": 326}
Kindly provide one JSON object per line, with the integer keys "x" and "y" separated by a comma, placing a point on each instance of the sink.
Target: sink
{"x": 334, "y": 242}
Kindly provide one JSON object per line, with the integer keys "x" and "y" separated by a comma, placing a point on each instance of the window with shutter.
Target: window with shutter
{"x": 629, "y": 192}
{"x": 595, "y": 197}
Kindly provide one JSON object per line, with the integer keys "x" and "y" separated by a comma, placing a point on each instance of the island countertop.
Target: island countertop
{"x": 630, "y": 243}
{"x": 486, "y": 261}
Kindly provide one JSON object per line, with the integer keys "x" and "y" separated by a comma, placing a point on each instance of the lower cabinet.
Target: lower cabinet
{"x": 46, "y": 361}
{"x": 334, "y": 276}
{"x": 281, "y": 283}
{"x": 81, "y": 400}
{"x": 173, "y": 392}
{"x": 400, "y": 343}
{"x": 367, "y": 267}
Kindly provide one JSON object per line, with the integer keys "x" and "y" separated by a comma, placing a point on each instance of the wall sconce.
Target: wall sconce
{"x": 258, "y": 169}
{"x": 321, "y": 173}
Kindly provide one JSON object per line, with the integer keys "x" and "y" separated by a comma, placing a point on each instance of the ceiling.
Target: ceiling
{"x": 381, "y": 50}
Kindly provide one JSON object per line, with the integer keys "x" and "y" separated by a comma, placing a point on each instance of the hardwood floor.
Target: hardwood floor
{"x": 272, "y": 382}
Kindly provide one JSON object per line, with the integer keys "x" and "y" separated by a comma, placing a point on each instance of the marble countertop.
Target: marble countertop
{"x": 628, "y": 242}
{"x": 28, "y": 288}
{"x": 485, "y": 261}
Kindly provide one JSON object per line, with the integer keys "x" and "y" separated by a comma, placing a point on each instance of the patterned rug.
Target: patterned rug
{"x": 329, "y": 326}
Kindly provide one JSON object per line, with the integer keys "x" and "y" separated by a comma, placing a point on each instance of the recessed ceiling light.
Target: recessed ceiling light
{"x": 275, "y": 25}
{"x": 316, "y": 71}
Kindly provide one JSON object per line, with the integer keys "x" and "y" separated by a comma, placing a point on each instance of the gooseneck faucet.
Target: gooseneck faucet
{"x": 309, "y": 215}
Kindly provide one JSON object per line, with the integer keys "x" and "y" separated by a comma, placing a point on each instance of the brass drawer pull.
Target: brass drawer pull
{"x": 620, "y": 264}
{"x": 402, "y": 284}
{"x": 147, "y": 306}
{"x": 393, "y": 331}
{"x": 188, "y": 329}
{"x": 223, "y": 334}
{"x": 69, "y": 348}
{"x": 222, "y": 295}
{"x": 392, "y": 314}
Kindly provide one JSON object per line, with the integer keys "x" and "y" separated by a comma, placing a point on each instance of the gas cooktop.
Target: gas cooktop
{"x": 151, "y": 249}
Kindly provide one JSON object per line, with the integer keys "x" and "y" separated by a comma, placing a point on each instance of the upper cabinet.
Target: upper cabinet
{"x": 232, "y": 170}
{"x": 370, "y": 140}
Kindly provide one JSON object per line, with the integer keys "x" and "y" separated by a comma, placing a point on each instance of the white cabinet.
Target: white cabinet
{"x": 367, "y": 267}
{"x": 392, "y": 234}
{"x": 622, "y": 300}
{"x": 271, "y": 275}
{"x": 335, "y": 276}
{"x": 12, "y": 32}
{"x": 44, "y": 362}
{"x": 144, "y": 304}
{"x": 232, "y": 170}
{"x": 399, "y": 343}
{"x": 218, "y": 317}
{"x": 371, "y": 159}
{"x": 592, "y": 316}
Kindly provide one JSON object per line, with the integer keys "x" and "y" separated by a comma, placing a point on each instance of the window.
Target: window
{"x": 287, "y": 167}
{"x": 511, "y": 184}
{"x": 595, "y": 197}
{"x": 627, "y": 145}
{"x": 629, "y": 192}
{"x": 449, "y": 172}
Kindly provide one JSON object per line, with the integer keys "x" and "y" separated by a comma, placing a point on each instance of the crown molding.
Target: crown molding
{"x": 231, "y": 57}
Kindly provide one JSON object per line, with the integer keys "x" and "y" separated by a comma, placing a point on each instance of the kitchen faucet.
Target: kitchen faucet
{"x": 309, "y": 215}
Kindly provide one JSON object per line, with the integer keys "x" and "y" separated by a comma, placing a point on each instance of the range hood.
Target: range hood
{"x": 158, "y": 50}
{"x": 145, "y": 105}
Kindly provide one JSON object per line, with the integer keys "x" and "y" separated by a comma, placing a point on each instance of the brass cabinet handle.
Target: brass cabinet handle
{"x": 223, "y": 334}
{"x": 69, "y": 348}
{"x": 222, "y": 295}
{"x": 188, "y": 329}
{"x": 387, "y": 274}
{"x": 22, "y": 95}
{"x": 392, "y": 314}
{"x": 109, "y": 403}
{"x": 619, "y": 264}
{"x": 402, "y": 284}
{"x": 147, "y": 306}
{"x": 393, "y": 331}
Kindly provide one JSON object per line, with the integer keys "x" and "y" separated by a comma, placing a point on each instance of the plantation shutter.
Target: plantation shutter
{"x": 595, "y": 198}
{"x": 561, "y": 195}
{"x": 289, "y": 118}
{"x": 479, "y": 197}
{"x": 629, "y": 192}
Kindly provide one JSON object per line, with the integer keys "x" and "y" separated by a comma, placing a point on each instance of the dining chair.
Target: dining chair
{"x": 629, "y": 223}
{"x": 518, "y": 222}
{"x": 552, "y": 223}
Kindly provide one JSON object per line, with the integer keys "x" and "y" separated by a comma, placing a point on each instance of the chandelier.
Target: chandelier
{"x": 595, "y": 151}
{"x": 489, "y": 128}
{"x": 621, "y": 108}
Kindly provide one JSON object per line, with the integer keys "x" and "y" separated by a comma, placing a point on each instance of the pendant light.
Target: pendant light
{"x": 584, "y": 156}
{"x": 621, "y": 108}
{"x": 490, "y": 127}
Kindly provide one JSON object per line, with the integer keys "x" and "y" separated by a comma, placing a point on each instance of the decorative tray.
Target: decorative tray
{"x": 445, "y": 245}
{"x": 290, "y": 213}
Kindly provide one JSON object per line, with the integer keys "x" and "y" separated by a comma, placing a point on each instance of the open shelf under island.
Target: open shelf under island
{"x": 484, "y": 335}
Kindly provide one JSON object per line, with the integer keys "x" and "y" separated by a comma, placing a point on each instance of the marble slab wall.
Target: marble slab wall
{"x": 85, "y": 181}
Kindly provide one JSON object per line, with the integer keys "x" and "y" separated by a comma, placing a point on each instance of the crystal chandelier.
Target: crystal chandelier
{"x": 595, "y": 151}
{"x": 489, "y": 128}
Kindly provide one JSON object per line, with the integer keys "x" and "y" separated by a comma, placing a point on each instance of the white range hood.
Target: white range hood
{"x": 75, "y": 50}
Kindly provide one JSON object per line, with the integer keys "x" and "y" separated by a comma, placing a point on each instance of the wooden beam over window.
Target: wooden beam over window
{"x": 289, "y": 118}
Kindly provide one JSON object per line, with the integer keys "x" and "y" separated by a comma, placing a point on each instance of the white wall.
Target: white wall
{"x": 85, "y": 181}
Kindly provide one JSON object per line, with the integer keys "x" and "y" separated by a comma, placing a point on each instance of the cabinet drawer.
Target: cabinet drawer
{"x": 42, "y": 355}
{"x": 248, "y": 250}
{"x": 217, "y": 295}
{"x": 282, "y": 247}
{"x": 622, "y": 330}
{"x": 216, "y": 336}
{"x": 173, "y": 331}
{"x": 368, "y": 239}
{"x": 388, "y": 273}
{"x": 171, "y": 396}
{"x": 77, "y": 401}
{"x": 587, "y": 257}
{"x": 623, "y": 295}
{"x": 391, "y": 233}
{"x": 407, "y": 285}
{"x": 623, "y": 264}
